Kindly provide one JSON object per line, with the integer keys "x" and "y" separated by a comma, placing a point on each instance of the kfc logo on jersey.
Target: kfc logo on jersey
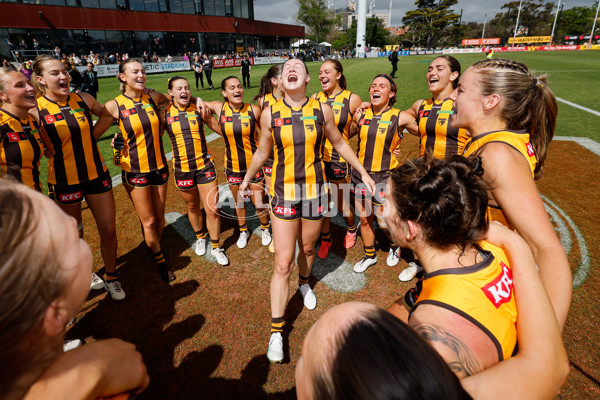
{"x": 165, "y": 176}
{"x": 268, "y": 170}
{"x": 500, "y": 290}
{"x": 285, "y": 210}
{"x": 530, "y": 151}
{"x": 258, "y": 175}
{"x": 362, "y": 192}
{"x": 138, "y": 181}
{"x": 364, "y": 122}
{"x": 50, "y": 119}
{"x": 209, "y": 174}
{"x": 185, "y": 183}
{"x": 106, "y": 183}
{"x": 69, "y": 197}
{"x": 128, "y": 113}
{"x": 234, "y": 179}
{"x": 13, "y": 137}
{"x": 225, "y": 118}
{"x": 279, "y": 122}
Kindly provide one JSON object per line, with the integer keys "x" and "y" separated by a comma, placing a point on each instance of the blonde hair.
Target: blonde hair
{"x": 122, "y": 68}
{"x": 30, "y": 278}
{"x": 4, "y": 71}
{"x": 38, "y": 70}
{"x": 528, "y": 102}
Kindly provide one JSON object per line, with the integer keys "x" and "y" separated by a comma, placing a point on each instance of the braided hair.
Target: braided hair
{"x": 528, "y": 104}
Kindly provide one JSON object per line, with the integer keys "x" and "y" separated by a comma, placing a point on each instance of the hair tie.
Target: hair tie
{"x": 534, "y": 82}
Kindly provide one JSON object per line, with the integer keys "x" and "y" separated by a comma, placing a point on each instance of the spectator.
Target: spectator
{"x": 57, "y": 53}
{"x": 90, "y": 81}
{"x": 394, "y": 60}
{"x": 26, "y": 68}
{"x": 36, "y": 44}
{"x": 245, "y": 69}
{"x": 146, "y": 57}
{"x": 168, "y": 58}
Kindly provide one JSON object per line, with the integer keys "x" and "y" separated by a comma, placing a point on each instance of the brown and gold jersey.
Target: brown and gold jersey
{"x": 140, "y": 126}
{"x": 20, "y": 149}
{"x": 298, "y": 171}
{"x": 340, "y": 105}
{"x": 378, "y": 137}
{"x": 238, "y": 128}
{"x": 186, "y": 131}
{"x": 481, "y": 293}
{"x": 268, "y": 101}
{"x": 518, "y": 140}
{"x": 437, "y": 136}
{"x": 69, "y": 128}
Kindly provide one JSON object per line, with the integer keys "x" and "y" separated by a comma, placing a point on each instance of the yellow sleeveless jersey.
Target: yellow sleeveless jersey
{"x": 437, "y": 137}
{"x": 241, "y": 137}
{"x": 481, "y": 293}
{"x": 518, "y": 140}
{"x": 186, "y": 131}
{"x": 298, "y": 171}
{"x": 377, "y": 136}
{"x": 140, "y": 126}
{"x": 340, "y": 105}
{"x": 20, "y": 149}
{"x": 76, "y": 158}
{"x": 268, "y": 101}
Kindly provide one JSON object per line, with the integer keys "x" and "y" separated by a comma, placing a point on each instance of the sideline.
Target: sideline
{"x": 578, "y": 106}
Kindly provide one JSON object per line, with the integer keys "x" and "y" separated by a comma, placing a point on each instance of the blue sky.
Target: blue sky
{"x": 473, "y": 10}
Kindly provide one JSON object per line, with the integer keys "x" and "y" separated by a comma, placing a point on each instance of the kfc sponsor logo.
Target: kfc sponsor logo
{"x": 362, "y": 192}
{"x": 69, "y": 197}
{"x": 50, "y": 119}
{"x": 530, "y": 151}
{"x": 165, "y": 175}
{"x": 258, "y": 175}
{"x": 125, "y": 113}
{"x": 337, "y": 171}
{"x": 279, "y": 122}
{"x": 284, "y": 210}
{"x": 13, "y": 137}
{"x": 319, "y": 209}
{"x": 170, "y": 120}
{"x": 106, "y": 183}
{"x": 209, "y": 174}
{"x": 364, "y": 122}
{"x": 234, "y": 179}
{"x": 138, "y": 181}
{"x": 185, "y": 183}
{"x": 268, "y": 170}
{"x": 382, "y": 194}
{"x": 500, "y": 290}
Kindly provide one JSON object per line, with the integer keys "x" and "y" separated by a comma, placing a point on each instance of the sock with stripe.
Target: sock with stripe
{"x": 265, "y": 227}
{"x": 163, "y": 269}
{"x": 243, "y": 228}
{"x": 302, "y": 280}
{"x": 370, "y": 251}
{"x": 325, "y": 237}
{"x": 352, "y": 228}
{"x": 200, "y": 235}
{"x": 111, "y": 276}
{"x": 215, "y": 244}
{"x": 277, "y": 325}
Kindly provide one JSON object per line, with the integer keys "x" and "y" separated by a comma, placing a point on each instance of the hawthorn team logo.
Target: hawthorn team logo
{"x": 442, "y": 121}
{"x": 81, "y": 119}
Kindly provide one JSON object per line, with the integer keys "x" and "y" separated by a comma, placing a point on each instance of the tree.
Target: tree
{"x": 536, "y": 19}
{"x": 319, "y": 21}
{"x": 375, "y": 32}
{"x": 431, "y": 23}
{"x": 576, "y": 21}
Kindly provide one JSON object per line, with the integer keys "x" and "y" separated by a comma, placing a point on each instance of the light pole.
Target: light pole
{"x": 517, "y": 24}
{"x": 554, "y": 24}
{"x": 484, "y": 23}
{"x": 593, "y": 27}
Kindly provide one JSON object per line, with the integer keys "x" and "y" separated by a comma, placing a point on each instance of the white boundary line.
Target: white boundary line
{"x": 578, "y": 106}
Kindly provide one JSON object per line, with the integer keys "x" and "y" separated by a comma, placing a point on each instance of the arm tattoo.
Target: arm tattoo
{"x": 467, "y": 363}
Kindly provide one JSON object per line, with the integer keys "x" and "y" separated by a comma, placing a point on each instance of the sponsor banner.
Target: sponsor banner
{"x": 540, "y": 48}
{"x": 530, "y": 39}
{"x": 458, "y": 51}
{"x": 400, "y": 53}
{"x": 478, "y": 42}
{"x": 580, "y": 37}
{"x": 230, "y": 62}
{"x": 426, "y": 52}
{"x": 151, "y": 68}
{"x": 269, "y": 60}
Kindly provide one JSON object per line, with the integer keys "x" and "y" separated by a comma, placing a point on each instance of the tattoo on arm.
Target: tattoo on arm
{"x": 467, "y": 364}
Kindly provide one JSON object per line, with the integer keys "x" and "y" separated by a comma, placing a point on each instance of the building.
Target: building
{"x": 134, "y": 26}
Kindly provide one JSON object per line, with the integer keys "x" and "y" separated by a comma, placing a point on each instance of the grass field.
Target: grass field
{"x": 206, "y": 336}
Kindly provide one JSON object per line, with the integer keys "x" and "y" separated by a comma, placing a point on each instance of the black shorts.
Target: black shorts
{"x": 140, "y": 180}
{"x": 311, "y": 210}
{"x": 236, "y": 178}
{"x": 336, "y": 171}
{"x": 189, "y": 180}
{"x": 359, "y": 190}
{"x": 73, "y": 194}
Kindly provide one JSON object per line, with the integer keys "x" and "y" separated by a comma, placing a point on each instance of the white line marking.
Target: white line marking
{"x": 588, "y": 143}
{"x": 578, "y": 106}
{"x": 584, "y": 261}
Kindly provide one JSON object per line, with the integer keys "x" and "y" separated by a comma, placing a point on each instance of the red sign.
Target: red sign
{"x": 478, "y": 42}
{"x": 230, "y": 62}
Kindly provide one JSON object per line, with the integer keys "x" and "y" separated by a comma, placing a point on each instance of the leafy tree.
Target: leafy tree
{"x": 576, "y": 21}
{"x": 536, "y": 17}
{"x": 319, "y": 21}
{"x": 375, "y": 32}
{"x": 431, "y": 23}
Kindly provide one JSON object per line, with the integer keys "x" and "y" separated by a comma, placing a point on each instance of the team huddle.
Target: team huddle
{"x": 455, "y": 209}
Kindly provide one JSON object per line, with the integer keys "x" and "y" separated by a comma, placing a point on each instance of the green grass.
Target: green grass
{"x": 574, "y": 76}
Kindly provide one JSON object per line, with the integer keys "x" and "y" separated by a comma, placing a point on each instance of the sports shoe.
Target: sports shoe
{"x": 310, "y": 300}
{"x": 393, "y": 257}
{"x": 275, "y": 352}
{"x": 71, "y": 344}
{"x": 243, "y": 239}
{"x": 200, "y": 246}
{"x": 410, "y": 272}
{"x": 219, "y": 254}
{"x": 365, "y": 263}
{"x": 97, "y": 283}
{"x": 265, "y": 236}
{"x": 115, "y": 290}
{"x": 350, "y": 239}
{"x": 323, "y": 251}
{"x": 272, "y": 247}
